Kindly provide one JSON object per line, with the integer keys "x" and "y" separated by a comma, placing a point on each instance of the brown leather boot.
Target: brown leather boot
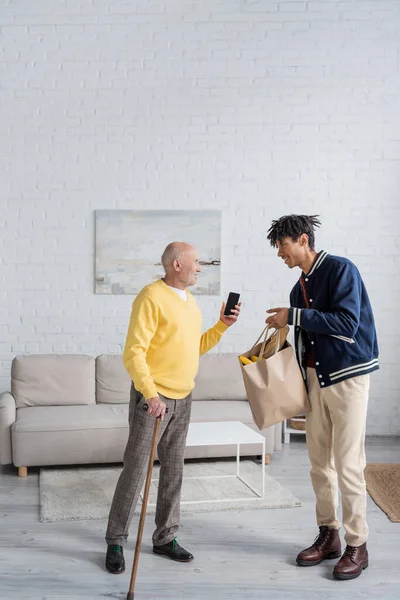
{"x": 352, "y": 563}
{"x": 326, "y": 546}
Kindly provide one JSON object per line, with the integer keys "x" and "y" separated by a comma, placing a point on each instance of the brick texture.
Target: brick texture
{"x": 256, "y": 108}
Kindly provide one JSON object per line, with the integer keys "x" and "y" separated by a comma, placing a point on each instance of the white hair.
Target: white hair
{"x": 172, "y": 252}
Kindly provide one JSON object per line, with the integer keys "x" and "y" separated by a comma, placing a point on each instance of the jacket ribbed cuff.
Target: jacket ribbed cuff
{"x": 295, "y": 316}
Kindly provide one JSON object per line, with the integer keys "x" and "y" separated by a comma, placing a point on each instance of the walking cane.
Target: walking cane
{"x": 131, "y": 594}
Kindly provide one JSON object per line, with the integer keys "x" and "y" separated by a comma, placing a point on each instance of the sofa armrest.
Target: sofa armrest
{"x": 7, "y": 418}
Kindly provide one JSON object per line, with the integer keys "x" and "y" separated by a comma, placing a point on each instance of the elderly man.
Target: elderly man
{"x": 162, "y": 350}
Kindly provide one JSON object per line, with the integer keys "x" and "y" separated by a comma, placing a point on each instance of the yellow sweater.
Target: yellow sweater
{"x": 164, "y": 342}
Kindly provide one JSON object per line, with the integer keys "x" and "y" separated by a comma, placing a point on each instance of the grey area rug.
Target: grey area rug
{"x": 70, "y": 494}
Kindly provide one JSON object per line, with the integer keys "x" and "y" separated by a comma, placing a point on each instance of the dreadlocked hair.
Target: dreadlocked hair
{"x": 293, "y": 226}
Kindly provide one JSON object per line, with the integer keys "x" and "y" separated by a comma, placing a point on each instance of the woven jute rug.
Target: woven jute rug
{"x": 383, "y": 485}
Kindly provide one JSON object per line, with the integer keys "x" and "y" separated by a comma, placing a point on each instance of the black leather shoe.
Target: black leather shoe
{"x": 174, "y": 550}
{"x": 115, "y": 562}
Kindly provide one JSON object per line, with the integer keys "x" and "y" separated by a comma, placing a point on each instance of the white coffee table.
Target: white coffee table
{"x": 227, "y": 433}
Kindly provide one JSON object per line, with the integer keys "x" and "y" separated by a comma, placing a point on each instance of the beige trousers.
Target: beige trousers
{"x": 335, "y": 440}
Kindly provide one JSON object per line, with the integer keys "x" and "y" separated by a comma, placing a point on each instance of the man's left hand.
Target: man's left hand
{"x": 279, "y": 319}
{"x": 233, "y": 316}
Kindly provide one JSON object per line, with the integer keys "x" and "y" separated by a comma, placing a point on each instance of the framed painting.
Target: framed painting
{"x": 129, "y": 245}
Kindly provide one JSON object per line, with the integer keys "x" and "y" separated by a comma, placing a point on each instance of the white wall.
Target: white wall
{"x": 258, "y": 108}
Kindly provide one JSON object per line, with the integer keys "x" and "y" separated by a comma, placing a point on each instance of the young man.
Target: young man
{"x": 161, "y": 355}
{"x": 336, "y": 347}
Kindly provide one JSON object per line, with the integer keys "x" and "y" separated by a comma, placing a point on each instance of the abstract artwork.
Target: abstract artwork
{"x": 129, "y": 245}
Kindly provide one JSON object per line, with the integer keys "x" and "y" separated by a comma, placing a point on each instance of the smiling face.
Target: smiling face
{"x": 293, "y": 253}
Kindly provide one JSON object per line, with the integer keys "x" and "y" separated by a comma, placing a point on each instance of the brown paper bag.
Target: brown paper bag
{"x": 274, "y": 385}
{"x": 274, "y": 342}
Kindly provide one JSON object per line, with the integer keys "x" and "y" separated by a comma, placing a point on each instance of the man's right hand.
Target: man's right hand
{"x": 156, "y": 407}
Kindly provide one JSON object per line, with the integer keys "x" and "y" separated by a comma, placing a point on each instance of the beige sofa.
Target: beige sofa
{"x": 73, "y": 409}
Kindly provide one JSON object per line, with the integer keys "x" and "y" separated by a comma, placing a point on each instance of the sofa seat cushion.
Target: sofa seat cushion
{"x": 71, "y": 418}
{"x": 113, "y": 383}
{"x": 53, "y": 379}
{"x": 219, "y": 378}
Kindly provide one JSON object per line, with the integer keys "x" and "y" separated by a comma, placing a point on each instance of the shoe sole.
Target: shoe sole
{"x": 344, "y": 577}
{"x": 308, "y": 563}
{"x": 184, "y": 560}
{"x": 115, "y": 572}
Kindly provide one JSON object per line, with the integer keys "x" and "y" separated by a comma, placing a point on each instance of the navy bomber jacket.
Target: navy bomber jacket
{"x": 338, "y": 328}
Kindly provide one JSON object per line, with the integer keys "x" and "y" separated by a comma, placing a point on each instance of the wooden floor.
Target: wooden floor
{"x": 238, "y": 555}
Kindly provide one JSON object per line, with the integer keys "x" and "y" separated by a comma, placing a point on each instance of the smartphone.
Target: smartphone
{"x": 233, "y": 299}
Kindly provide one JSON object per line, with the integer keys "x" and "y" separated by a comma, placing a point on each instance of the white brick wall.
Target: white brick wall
{"x": 258, "y": 108}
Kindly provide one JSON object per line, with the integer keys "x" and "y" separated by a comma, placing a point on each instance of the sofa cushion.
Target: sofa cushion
{"x": 112, "y": 380}
{"x": 71, "y": 418}
{"x": 219, "y": 378}
{"x": 234, "y": 410}
{"x": 53, "y": 380}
